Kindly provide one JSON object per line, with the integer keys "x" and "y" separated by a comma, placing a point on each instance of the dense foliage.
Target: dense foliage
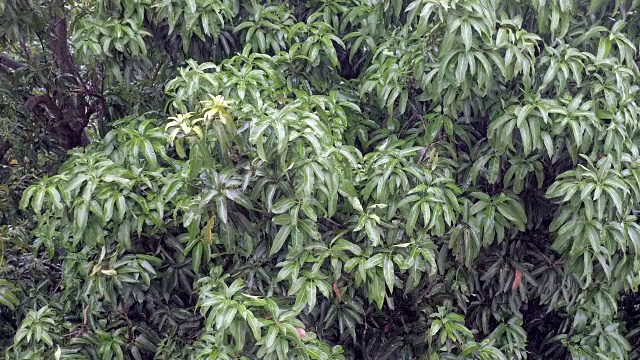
{"x": 324, "y": 179}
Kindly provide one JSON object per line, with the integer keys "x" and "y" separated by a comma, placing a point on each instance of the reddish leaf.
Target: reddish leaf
{"x": 516, "y": 281}
{"x": 337, "y": 291}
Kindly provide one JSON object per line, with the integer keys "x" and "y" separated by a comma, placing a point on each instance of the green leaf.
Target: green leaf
{"x": 389, "y": 275}
{"x": 150, "y": 154}
{"x": 272, "y": 336}
{"x": 342, "y": 244}
{"x": 513, "y": 211}
{"x": 309, "y": 212}
{"x": 192, "y": 6}
{"x": 376, "y": 290}
{"x": 373, "y": 261}
{"x": 280, "y": 238}
{"x": 224, "y": 321}
{"x": 254, "y": 325}
{"x": 180, "y": 149}
{"x": 433, "y": 129}
{"x": 38, "y": 200}
{"x": 412, "y": 219}
{"x": 595, "y": 6}
{"x": 238, "y": 197}
{"x": 465, "y": 32}
{"x": 372, "y": 231}
{"x": 196, "y": 257}
{"x": 82, "y": 216}
{"x": 26, "y": 196}
{"x": 283, "y": 206}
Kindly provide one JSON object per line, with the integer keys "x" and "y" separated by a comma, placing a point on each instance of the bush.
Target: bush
{"x": 341, "y": 179}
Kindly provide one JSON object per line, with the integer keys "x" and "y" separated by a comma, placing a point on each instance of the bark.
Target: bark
{"x": 10, "y": 63}
{"x": 58, "y": 39}
{"x": 71, "y": 109}
{"x": 4, "y": 148}
{"x": 64, "y": 110}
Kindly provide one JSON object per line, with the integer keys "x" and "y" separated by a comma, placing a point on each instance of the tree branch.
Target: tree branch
{"x": 58, "y": 39}
{"x": 4, "y": 148}
{"x": 48, "y": 102}
{"x": 10, "y": 63}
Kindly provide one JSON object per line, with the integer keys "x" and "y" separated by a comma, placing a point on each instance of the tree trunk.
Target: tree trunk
{"x": 4, "y": 148}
